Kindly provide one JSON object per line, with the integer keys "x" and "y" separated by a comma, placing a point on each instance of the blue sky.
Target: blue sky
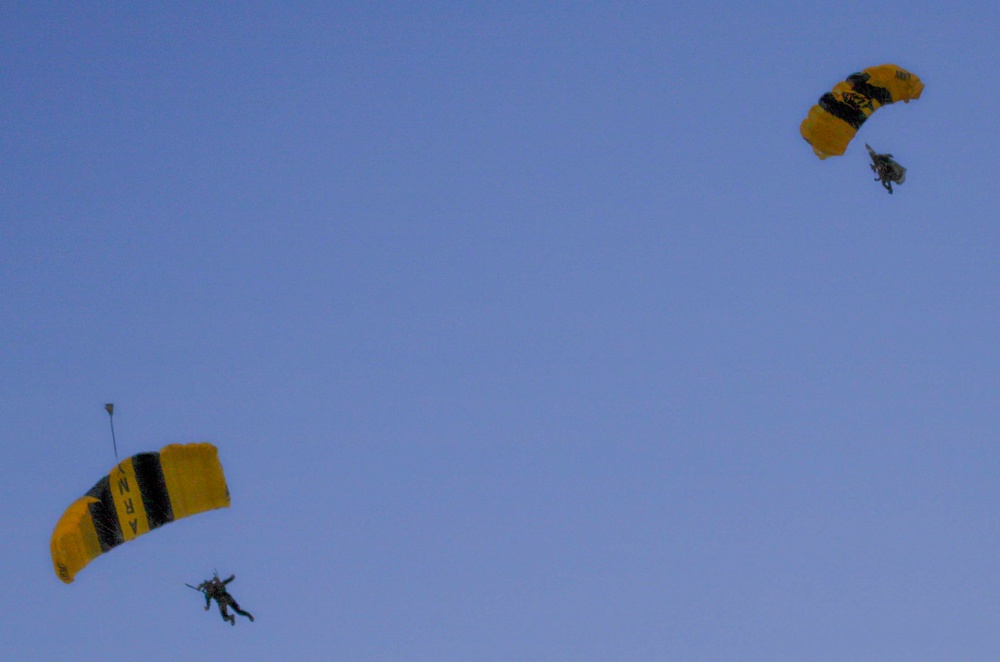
{"x": 525, "y": 332}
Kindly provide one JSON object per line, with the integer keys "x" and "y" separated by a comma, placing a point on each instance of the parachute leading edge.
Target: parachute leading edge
{"x": 833, "y": 122}
{"x": 139, "y": 494}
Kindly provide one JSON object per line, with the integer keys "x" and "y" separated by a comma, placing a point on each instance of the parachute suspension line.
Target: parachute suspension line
{"x": 110, "y": 408}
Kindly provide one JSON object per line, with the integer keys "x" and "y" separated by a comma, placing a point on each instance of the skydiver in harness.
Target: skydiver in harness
{"x": 888, "y": 171}
{"x": 215, "y": 588}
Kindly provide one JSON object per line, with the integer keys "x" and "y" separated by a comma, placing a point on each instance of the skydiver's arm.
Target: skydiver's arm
{"x": 231, "y": 578}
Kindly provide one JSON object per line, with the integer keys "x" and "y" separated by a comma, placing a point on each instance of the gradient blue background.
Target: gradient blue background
{"x": 525, "y": 332}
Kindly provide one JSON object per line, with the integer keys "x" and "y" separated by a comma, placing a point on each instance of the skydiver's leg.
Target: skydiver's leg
{"x": 226, "y": 616}
{"x": 236, "y": 608}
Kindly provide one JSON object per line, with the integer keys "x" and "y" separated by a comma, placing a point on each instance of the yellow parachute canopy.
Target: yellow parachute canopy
{"x": 833, "y": 122}
{"x": 140, "y": 494}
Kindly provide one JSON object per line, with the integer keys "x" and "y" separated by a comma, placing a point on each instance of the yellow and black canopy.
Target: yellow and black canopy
{"x": 833, "y": 122}
{"x": 141, "y": 493}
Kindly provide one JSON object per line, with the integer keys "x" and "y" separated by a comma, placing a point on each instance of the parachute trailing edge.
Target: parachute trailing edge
{"x": 833, "y": 122}
{"x": 139, "y": 494}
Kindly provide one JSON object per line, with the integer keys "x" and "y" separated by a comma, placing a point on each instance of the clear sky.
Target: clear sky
{"x": 525, "y": 331}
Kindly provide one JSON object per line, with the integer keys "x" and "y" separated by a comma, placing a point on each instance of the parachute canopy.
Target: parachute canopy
{"x": 833, "y": 122}
{"x": 140, "y": 494}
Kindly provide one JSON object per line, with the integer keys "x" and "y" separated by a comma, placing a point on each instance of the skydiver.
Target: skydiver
{"x": 886, "y": 169}
{"x": 215, "y": 588}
